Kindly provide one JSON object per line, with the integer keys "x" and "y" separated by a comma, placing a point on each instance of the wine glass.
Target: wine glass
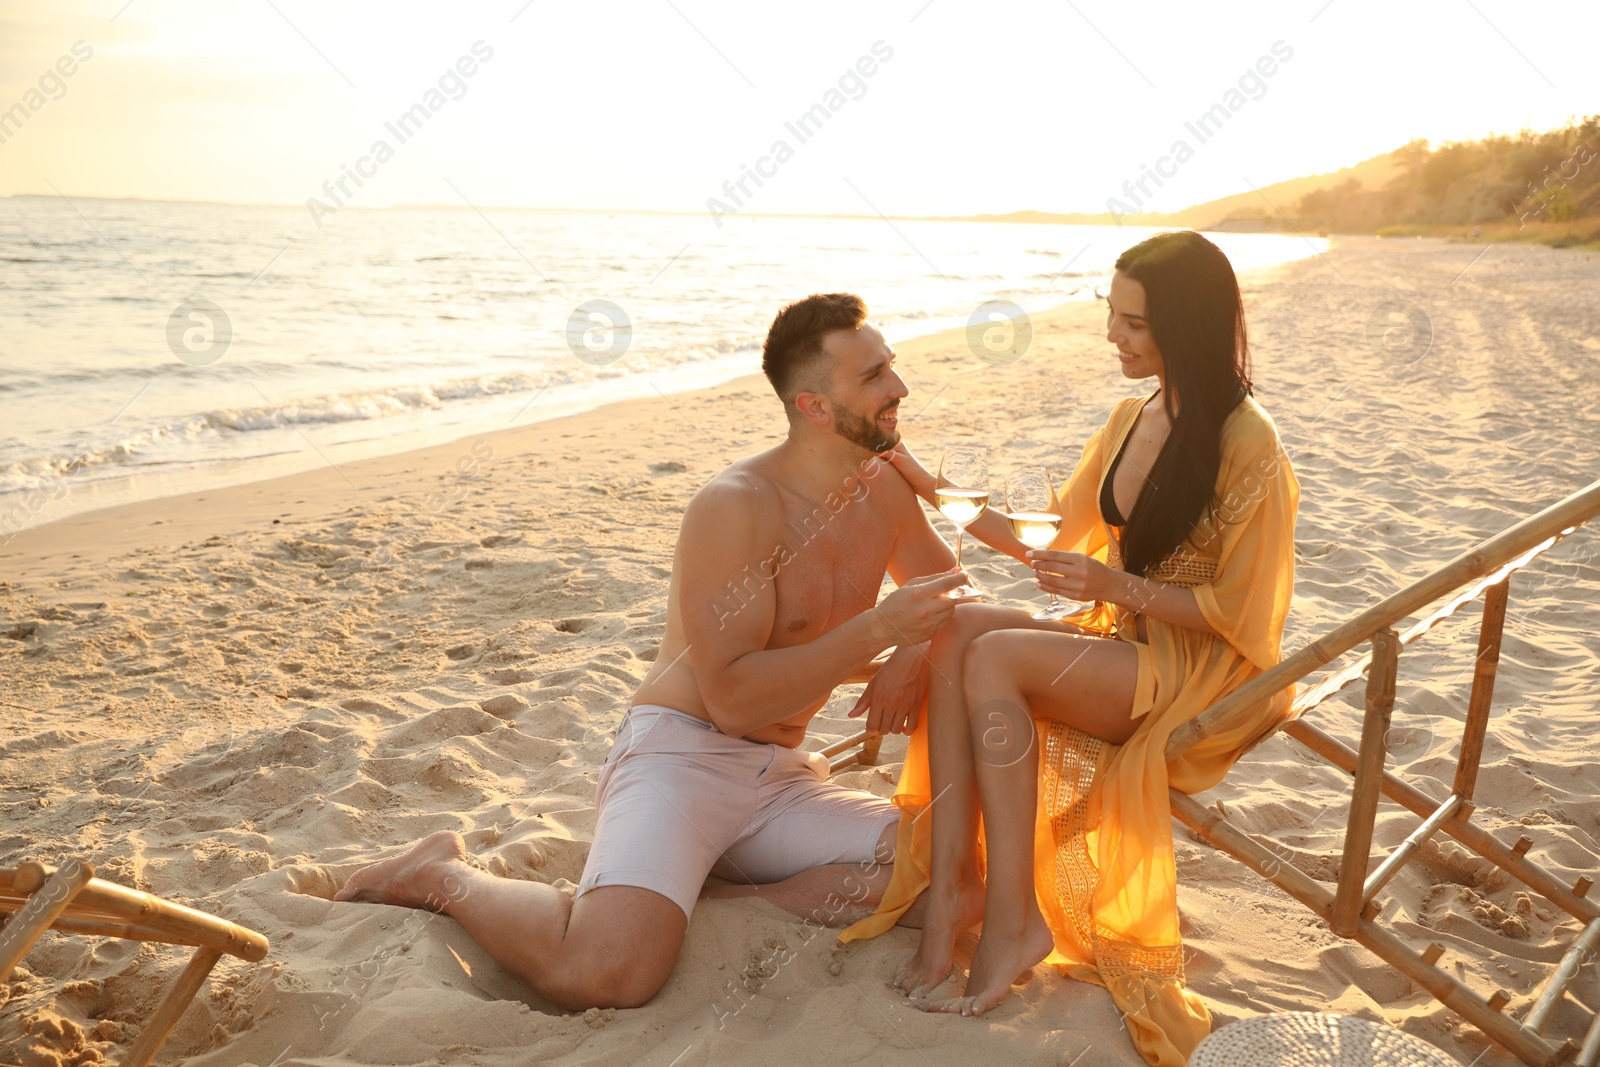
{"x": 961, "y": 493}
{"x": 1035, "y": 515}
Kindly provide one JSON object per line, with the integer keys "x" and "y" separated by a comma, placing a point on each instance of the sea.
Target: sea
{"x": 152, "y": 348}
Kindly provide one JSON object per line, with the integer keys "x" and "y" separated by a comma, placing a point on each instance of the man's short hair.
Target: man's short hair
{"x": 793, "y": 355}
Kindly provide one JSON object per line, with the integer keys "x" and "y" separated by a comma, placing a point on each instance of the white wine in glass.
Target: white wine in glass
{"x": 961, "y": 506}
{"x": 962, "y": 493}
{"x": 1035, "y": 515}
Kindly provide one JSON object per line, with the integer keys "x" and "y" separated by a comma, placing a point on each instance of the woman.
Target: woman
{"x": 1179, "y": 526}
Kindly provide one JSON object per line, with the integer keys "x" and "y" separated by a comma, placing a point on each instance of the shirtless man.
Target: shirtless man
{"x": 773, "y": 603}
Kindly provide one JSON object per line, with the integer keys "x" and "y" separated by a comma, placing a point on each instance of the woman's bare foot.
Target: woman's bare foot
{"x": 1000, "y": 960}
{"x": 430, "y": 875}
{"x": 949, "y": 915}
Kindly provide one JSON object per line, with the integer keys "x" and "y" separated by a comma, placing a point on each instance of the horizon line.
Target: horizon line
{"x": 987, "y": 216}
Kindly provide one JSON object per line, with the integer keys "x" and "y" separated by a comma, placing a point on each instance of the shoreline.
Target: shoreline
{"x": 438, "y": 352}
{"x": 83, "y": 530}
{"x": 237, "y": 712}
{"x": 74, "y": 524}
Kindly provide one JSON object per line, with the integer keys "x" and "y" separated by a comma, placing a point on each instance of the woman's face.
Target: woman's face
{"x": 1127, "y": 328}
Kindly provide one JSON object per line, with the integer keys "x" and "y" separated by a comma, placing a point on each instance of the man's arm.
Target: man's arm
{"x": 918, "y": 548}
{"x": 991, "y": 527}
{"x": 895, "y": 696}
{"x": 729, "y": 601}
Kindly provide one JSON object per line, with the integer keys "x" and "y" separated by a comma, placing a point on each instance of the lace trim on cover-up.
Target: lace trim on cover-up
{"x": 1070, "y": 757}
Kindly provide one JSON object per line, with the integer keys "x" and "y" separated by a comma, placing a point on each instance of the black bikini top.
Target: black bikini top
{"x": 1108, "y": 499}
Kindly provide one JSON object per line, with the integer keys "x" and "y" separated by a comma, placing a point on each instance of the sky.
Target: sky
{"x": 926, "y": 107}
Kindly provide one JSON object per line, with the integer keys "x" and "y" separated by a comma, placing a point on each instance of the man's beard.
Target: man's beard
{"x": 860, "y": 430}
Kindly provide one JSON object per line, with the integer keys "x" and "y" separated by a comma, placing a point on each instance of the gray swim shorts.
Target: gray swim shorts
{"x": 678, "y": 799}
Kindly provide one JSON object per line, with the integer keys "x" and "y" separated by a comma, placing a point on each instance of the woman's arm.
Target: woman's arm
{"x": 1081, "y": 577}
{"x": 991, "y": 527}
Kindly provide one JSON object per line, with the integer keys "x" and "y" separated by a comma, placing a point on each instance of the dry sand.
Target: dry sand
{"x": 233, "y": 698}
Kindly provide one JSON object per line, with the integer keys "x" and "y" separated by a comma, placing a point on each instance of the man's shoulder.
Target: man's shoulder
{"x": 741, "y": 489}
{"x": 879, "y": 477}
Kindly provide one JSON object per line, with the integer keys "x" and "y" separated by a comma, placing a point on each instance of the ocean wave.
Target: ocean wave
{"x": 176, "y": 437}
{"x": 357, "y": 328}
{"x": 135, "y": 448}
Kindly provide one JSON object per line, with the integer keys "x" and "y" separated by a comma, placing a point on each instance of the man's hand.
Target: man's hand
{"x": 894, "y": 697}
{"x": 1071, "y": 574}
{"x": 920, "y": 608}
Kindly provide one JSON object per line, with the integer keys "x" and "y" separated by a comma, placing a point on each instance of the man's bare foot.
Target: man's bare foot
{"x": 1000, "y": 960}
{"x": 950, "y": 914}
{"x": 428, "y": 876}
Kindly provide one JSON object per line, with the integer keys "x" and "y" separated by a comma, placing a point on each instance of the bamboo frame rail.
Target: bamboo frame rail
{"x": 865, "y": 744}
{"x": 1582, "y": 948}
{"x": 1214, "y": 829}
{"x": 1350, "y": 909}
{"x": 1549, "y": 525}
{"x": 72, "y": 900}
{"x": 1314, "y": 696}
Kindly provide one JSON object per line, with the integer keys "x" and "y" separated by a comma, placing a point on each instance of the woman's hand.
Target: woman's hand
{"x": 911, "y": 469}
{"x": 1072, "y": 575}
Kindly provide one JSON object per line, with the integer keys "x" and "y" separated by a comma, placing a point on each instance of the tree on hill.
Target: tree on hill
{"x": 1551, "y": 176}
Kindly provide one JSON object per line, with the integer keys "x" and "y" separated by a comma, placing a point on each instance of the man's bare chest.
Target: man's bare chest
{"x": 828, "y": 566}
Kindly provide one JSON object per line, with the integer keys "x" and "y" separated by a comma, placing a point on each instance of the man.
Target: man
{"x": 772, "y": 604}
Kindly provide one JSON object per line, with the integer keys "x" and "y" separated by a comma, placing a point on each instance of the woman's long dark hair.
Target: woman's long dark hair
{"x": 1196, "y": 316}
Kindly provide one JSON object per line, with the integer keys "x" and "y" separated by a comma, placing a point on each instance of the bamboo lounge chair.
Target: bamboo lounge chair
{"x": 71, "y": 899}
{"x": 1351, "y": 909}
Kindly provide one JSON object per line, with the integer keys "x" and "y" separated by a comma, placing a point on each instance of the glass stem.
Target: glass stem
{"x": 959, "y": 530}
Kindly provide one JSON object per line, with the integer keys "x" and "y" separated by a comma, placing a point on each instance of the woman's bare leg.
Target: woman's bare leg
{"x": 1010, "y": 678}
{"x": 955, "y": 892}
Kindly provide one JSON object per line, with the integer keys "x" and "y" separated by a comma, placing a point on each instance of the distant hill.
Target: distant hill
{"x": 1542, "y": 187}
{"x": 1374, "y": 173}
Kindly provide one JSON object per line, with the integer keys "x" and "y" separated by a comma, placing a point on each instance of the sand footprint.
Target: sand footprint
{"x": 511, "y": 676}
{"x": 312, "y": 881}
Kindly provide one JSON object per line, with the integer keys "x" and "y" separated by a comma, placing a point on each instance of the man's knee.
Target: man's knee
{"x": 606, "y": 980}
{"x": 883, "y": 851}
{"x": 618, "y": 983}
{"x": 621, "y": 946}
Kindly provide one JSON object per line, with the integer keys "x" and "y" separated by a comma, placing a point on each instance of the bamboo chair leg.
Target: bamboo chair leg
{"x": 48, "y": 901}
{"x": 1474, "y": 837}
{"x": 1576, "y": 956}
{"x": 172, "y": 1007}
{"x": 1589, "y": 1055}
{"x": 1487, "y": 664}
{"x": 1528, "y": 1046}
{"x": 1347, "y": 903}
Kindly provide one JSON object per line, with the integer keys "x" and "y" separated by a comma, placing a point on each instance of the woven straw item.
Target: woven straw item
{"x": 1314, "y": 1039}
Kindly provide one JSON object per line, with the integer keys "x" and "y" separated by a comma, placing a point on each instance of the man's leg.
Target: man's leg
{"x": 833, "y": 894}
{"x": 815, "y": 848}
{"x": 612, "y": 948}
